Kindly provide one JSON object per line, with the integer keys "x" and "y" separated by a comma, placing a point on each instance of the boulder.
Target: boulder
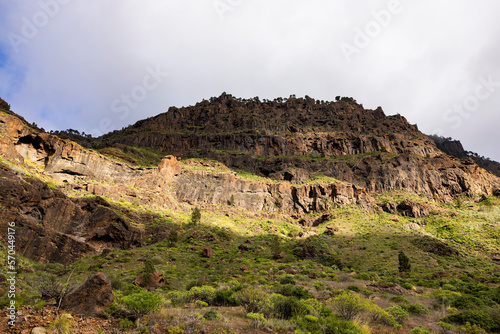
{"x": 91, "y": 298}
{"x": 156, "y": 281}
{"x": 207, "y": 252}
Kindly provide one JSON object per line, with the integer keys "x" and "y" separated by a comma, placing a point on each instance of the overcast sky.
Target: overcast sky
{"x": 98, "y": 65}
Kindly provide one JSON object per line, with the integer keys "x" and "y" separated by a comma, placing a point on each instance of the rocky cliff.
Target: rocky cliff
{"x": 67, "y": 200}
{"x": 298, "y": 138}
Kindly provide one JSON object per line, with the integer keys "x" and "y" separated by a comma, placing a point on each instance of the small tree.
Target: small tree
{"x": 404, "y": 262}
{"x": 275, "y": 246}
{"x": 231, "y": 200}
{"x": 173, "y": 237}
{"x": 195, "y": 216}
{"x": 148, "y": 270}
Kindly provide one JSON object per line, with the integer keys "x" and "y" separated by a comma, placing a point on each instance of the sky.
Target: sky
{"x": 100, "y": 65}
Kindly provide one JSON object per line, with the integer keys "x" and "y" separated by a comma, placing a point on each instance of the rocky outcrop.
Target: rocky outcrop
{"x": 407, "y": 207}
{"x": 218, "y": 188}
{"x": 91, "y": 298}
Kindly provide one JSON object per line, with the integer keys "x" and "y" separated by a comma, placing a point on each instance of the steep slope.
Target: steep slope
{"x": 456, "y": 149}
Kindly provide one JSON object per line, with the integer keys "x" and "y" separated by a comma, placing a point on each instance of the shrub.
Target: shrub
{"x": 481, "y": 318}
{"x": 147, "y": 271}
{"x": 399, "y": 313}
{"x": 204, "y": 293}
{"x": 404, "y": 262}
{"x": 363, "y": 276}
{"x": 349, "y": 305}
{"x": 63, "y": 324}
{"x": 287, "y": 280}
{"x": 224, "y": 297}
{"x": 125, "y": 324}
{"x": 211, "y": 315}
{"x": 286, "y": 307}
{"x": 417, "y": 308}
{"x": 201, "y": 303}
{"x": 142, "y": 303}
{"x": 195, "y": 216}
{"x": 445, "y": 328}
{"x": 257, "y": 319}
{"x": 47, "y": 285}
{"x": 353, "y": 288}
{"x": 399, "y": 299}
{"x": 420, "y": 330}
{"x": 253, "y": 300}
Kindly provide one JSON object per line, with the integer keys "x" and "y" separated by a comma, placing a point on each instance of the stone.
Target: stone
{"x": 38, "y": 330}
{"x": 207, "y": 252}
{"x": 91, "y": 298}
{"x": 156, "y": 281}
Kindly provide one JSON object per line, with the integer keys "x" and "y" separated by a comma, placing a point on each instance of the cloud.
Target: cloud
{"x": 419, "y": 62}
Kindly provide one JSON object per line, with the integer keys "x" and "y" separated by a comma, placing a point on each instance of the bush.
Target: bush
{"x": 257, "y": 319}
{"x": 142, "y": 303}
{"x": 282, "y": 307}
{"x": 47, "y": 285}
{"x": 125, "y": 324}
{"x": 204, "y": 293}
{"x": 404, "y": 262}
{"x": 147, "y": 271}
{"x": 417, "y": 309}
{"x": 195, "y": 216}
{"x": 224, "y": 297}
{"x": 399, "y": 299}
{"x": 399, "y": 313}
{"x": 420, "y": 330}
{"x": 484, "y": 318}
{"x": 63, "y": 324}
{"x": 353, "y": 288}
{"x": 349, "y": 305}
{"x": 328, "y": 325}
{"x": 211, "y": 315}
{"x": 253, "y": 300}
{"x": 287, "y": 280}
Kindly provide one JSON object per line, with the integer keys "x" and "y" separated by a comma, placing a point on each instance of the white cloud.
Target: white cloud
{"x": 428, "y": 58}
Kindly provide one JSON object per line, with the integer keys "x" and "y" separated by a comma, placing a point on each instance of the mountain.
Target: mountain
{"x": 274, "y": 215}
{"x": 455, "y": 148}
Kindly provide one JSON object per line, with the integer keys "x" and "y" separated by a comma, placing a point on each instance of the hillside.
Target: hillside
{"x": 241, "y": 216}
{"x": 455, "y": 148}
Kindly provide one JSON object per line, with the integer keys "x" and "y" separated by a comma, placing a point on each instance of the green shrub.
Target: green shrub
{"x": 201, "y": 303}
{"x": 63, "y": 324}
{"x": 420, "y": 330}
{"x": 349, "y": 305}
{"x": 287, "y": 280}
{"x": 417, "y": 308}
{"x": 211, "y": 315}
{"x": 125, "y": 324}
{"x": 404, "y": 262}
{"x": 283, "y": 307}
{"x": 407, "y": 285}
{"x": 195, "y": 216}
{"x": 253, "y": 300}
{"x": 353, "y": 288}
{"x": 483, "y": 318}
{"x": 399, "y": 299}
{"x": 224, "y": 297}
{"x": 363, "y": 276}
{"x": 142, "y": 303}
{"x": 204, "y": 293}
{"x": 399, "y": 313}
{"x": 257, "y": 319}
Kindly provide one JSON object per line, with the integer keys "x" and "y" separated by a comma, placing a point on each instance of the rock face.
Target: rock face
{"x": 341, "y": 140}
{"x": 91, "y": 298}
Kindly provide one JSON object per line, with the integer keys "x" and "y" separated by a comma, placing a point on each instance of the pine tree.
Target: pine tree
{"x": 404, "y": 262}
{"x": 195, "y": 216}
